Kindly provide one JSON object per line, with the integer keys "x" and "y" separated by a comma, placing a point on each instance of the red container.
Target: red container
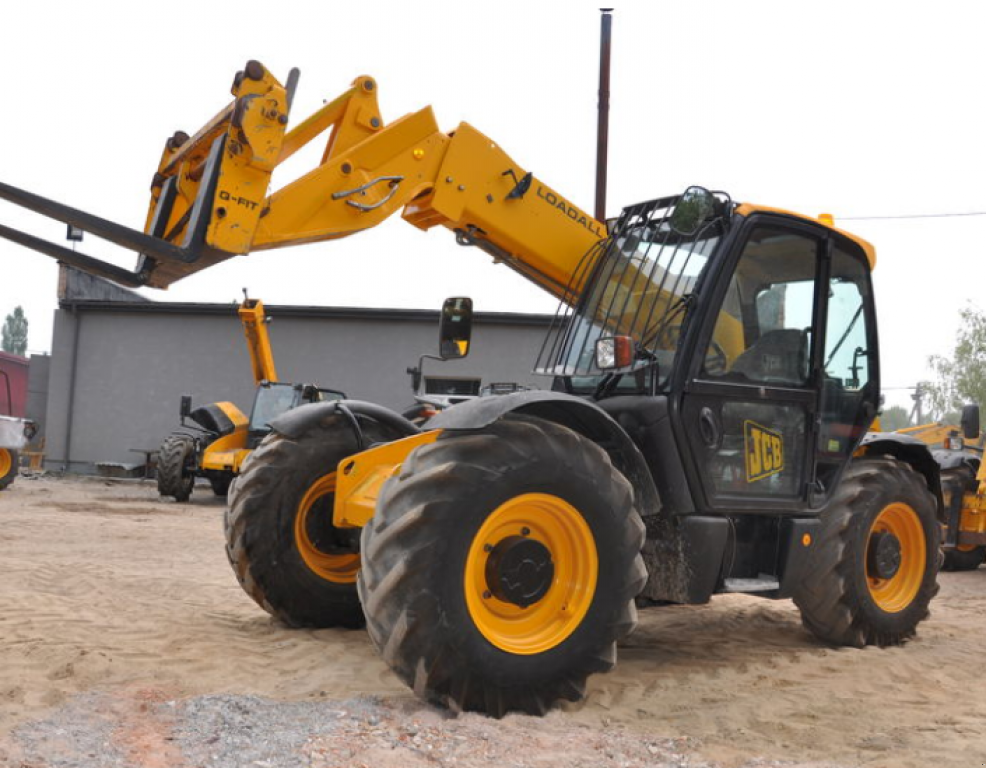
{"x": 15, "y": 367}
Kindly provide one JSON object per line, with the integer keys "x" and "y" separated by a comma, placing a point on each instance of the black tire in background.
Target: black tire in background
{"x": 960, "y": 480}
{"x": 280, "y": 541}
{"x": 426, "y": 582}
{"x": 9, "y": 463}
{"x": 176, "y": 467}
{"x": 220, "y": 481}
{"x": 850, "y": 594}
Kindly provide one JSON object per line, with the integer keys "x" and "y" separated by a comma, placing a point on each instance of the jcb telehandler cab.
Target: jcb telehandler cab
{"x": 716, "y": 370}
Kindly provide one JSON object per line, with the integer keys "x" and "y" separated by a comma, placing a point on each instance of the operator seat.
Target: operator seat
{"x": 777, "y": 357}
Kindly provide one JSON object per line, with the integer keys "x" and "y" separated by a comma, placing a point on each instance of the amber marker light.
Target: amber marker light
{"x": 827, "y": 219}
{"x": 806, "y": 540}
{"x": 418, "y": 154}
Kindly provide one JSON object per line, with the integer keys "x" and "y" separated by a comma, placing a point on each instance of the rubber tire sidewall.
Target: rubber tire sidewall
{"x": 447, "y": 641}
{"x": 259, "y": 524}
{"x": 843, "y": 610}
{"x": 172, "y": 479}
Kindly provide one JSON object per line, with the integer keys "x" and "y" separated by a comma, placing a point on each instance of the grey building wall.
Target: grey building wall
{"x": 37, "y": 392}
{"x": 118, "y": 369}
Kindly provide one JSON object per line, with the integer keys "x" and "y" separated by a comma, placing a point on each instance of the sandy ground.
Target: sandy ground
{"x": 118, "y": 611}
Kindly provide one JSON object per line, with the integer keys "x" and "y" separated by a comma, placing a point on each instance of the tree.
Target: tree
{"x": 961, "y": 378}
{"x": 15, "y": 332}
{"x": 893, "y": 418}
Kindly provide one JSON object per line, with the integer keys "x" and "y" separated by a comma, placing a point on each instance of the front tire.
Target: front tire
{"x": 176, "y": 467}
{"x": 873, "y": 567}
{"x": 280, "y": 540}
{"x": 8, "y": 466}
{"x": 500, "y": 567}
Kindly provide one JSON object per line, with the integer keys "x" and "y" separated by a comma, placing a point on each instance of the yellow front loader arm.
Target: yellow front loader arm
{"x": 210, "y": 196}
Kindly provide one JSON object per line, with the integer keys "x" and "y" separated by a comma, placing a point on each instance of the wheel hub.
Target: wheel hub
{"x": 883, "y": 556}
{"x": 520, "y": 571}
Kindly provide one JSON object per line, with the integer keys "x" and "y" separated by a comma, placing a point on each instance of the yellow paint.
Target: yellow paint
{"x": 895, "y": 594}
{"x": 551, "y": 620}
{"x": 337, "y": 568}
{"x": 227, "y": 452}
{"x": 360, "y": 477}
{"x": 254, "y": 323}
{"x": 748, "y": 209}
{"x": 764, "y": 450}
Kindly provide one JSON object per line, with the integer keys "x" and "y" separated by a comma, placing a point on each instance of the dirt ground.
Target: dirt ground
{"x": 123, "y": 630}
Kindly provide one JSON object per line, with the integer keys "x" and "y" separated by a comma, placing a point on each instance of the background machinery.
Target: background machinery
{"x": 958, "y": 450}
{"x": 15, "y": 434}
{"x": 223, "y": 435}
{"x": 715, "y": 370}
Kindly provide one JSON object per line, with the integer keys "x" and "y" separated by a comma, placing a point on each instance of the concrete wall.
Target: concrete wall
{"x": 118, "y": 369}
{"x": 37, "y": 393}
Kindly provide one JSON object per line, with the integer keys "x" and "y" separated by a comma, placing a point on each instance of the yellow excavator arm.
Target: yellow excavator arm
{"x": 210, "y": 195}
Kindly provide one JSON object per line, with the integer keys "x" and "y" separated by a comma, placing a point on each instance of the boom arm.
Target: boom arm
{"x": 258, "y": 340}
{"x": 210, "y": 201}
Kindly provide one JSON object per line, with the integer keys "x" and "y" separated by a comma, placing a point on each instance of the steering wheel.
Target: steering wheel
{"x": 716, "y": 360}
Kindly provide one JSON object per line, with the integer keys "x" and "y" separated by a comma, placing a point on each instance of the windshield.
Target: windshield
{"x": 641, "y": 286}
{"x": 271, "y": 401}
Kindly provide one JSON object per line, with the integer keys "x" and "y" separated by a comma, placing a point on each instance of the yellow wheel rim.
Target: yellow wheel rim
{"x": 558, "y": 527}
{"x": 341, "y": 569}
{"x": 898, "y": 592}
{"x": 6, "y": 462}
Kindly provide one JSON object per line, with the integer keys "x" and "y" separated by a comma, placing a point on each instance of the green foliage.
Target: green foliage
{"x": 961, "y": 378}
{"x": 893, "y": 418}
{"x": 14, "y": 335}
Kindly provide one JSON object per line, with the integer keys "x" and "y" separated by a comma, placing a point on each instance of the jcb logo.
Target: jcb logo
{"x": 764, "y": 452}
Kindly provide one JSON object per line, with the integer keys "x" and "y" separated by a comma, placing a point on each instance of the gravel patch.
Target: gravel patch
{"x": 147, "y": 728}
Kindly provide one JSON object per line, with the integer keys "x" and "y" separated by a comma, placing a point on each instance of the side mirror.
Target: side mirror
{"x": 455, "y": 328}
{"x": 694, "y": 208}
{"x": 186, "y": 406}
{"x": 970, "y": 421}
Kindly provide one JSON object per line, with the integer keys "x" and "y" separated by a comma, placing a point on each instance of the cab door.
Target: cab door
{"x": 750, "y": 402}
{"x": 785, "y": 381}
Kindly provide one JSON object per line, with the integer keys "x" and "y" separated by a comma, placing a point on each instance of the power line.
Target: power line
{"x": 910, "y": 216}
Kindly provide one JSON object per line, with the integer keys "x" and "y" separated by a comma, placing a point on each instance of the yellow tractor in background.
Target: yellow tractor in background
{"x": 714, "y": 371}
{"x": 223, "y": 435}
{"x": 958, "y": 450}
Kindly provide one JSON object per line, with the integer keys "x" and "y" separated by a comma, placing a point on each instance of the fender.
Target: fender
{"x": 956, "y": 459}
{"x": 911, "y": 451}
{"x": 297, "y": 421}
{"x": 579, "y": 415}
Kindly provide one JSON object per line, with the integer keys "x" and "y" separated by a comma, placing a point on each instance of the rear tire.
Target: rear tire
{"x": 961, "y": 480}
{"x": 445, "y": 604}
{"x": 8, "y": 466}
{"x": 852, "y": 594}
{"x": 280, "y": 541}
{"x": 220, "y": 482}
{"x": 176, "y": 467}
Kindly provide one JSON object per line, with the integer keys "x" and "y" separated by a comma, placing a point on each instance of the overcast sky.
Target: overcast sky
{"x": 858, "y": 109}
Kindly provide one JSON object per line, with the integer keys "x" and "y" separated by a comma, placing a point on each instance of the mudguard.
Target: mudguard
{"x": 911, "y": 451}
{"x": 297, "y": 421}
{"x": 582, "y": 416}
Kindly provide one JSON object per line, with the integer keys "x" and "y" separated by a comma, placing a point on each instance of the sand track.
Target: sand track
{"x": 104, "y": 587}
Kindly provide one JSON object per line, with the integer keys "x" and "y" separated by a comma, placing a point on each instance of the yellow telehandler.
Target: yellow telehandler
{"x": 222, "y": 435}
{"x": 715, "y": 369}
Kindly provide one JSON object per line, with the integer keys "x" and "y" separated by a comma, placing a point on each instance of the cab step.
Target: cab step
{"x": 762, "y": 583}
